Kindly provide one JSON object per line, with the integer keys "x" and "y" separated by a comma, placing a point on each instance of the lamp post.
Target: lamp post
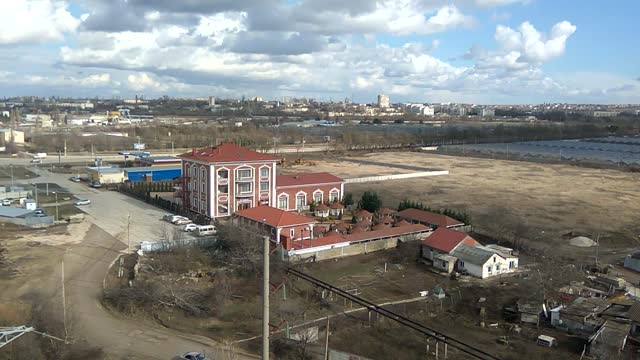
{"x": 56, "y": 194}
{"x": 265, "y": 296}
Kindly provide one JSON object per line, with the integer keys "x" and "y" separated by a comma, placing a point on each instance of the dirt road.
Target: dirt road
{"x": 87, "y": 253}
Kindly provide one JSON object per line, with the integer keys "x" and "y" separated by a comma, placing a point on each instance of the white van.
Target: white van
{"x": 206, "y": 230}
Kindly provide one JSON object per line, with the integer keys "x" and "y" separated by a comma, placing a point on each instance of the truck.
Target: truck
{"x": 40, "y": 155}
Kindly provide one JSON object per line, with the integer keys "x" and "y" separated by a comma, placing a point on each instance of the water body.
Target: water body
{"x": 606, "y": 149}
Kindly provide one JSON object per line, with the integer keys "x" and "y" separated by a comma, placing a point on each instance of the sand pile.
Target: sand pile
{"x": 582, "y": 241}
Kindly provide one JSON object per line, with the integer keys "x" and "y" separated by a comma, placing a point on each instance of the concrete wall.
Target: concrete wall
{"x": 355, "y": 249}
{"x": 396, "y": 176}
{"x": 30, "y": 221}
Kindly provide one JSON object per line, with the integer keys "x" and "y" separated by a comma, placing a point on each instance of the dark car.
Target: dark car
{"x": 96, "y": 184}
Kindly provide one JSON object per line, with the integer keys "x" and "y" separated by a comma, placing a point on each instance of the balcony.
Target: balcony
{"x": 223, "y": 181}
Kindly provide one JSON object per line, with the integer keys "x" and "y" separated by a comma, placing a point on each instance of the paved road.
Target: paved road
{"x": 86, "y": 264}
{"x": 88, "y": 158}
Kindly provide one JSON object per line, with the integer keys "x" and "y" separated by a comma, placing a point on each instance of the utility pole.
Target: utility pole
{"x": 128, "y": 237}
{"x": 64, "y": 300}
{"x": 265, "y": 297}
{"x": 326, "y": 342}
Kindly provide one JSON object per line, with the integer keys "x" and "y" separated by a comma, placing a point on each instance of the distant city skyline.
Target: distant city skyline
{"x": 467, "y": 51}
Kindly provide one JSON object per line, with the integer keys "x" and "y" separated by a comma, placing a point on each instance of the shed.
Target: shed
{"x": 106, "y": 174}
{"x": 444, "y": 262}
{"x": 632, "y": 261}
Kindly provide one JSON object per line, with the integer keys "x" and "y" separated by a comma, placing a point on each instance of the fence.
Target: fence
{"x": 30, "y": 221}
{"x": 397, "y": 176}
{"x": 340, "y": 250}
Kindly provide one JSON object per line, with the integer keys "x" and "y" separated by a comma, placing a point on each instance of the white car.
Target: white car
{"x": 172, "y": 218}
{"x": 190, "y": 227}
{"x": 83, "y": 202}
{"x": 6, "y": 202}
{"x": 182, "y": 221}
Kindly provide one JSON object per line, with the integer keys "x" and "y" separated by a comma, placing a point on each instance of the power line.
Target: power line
{"x": 438, "y": 336}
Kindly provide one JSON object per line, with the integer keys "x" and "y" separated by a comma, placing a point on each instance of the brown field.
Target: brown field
{"x": 549, "y": 200}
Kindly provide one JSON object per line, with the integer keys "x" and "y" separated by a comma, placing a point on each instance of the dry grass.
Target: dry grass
{"x": 552, "y": 200}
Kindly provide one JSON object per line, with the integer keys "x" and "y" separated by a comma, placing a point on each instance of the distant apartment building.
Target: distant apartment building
{"x": 485, "y": 112}
{"x": 607, "y": 114}
{"x": 6, "y": 135}
{"x": 420, "y": 109}
{"x": 212, "y": 101}
{"x": 383, "y": 101}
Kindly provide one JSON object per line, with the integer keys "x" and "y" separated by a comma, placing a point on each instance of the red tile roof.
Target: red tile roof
{"x": 274, "y": 217}
{"x": 387, "y": 220}
{"x": 364, "y": 214}
{"x": 386, "y": 211}
{"x": 322, "y": 207}
{"x": 333, "y": 238}
{"x": 428, "y": 217}
{"x": 402, "y": 223}
{"x": 226, "y": 152}
{"x": 336, "y": 205}
{"x": 307, "y": 179}
{"x": 379, "y": 226}
{"x": 446, "y": 240}
{"x": 357, "y": 229}
{"x": 342, "y": 226}
{"x": 387, "y": 232}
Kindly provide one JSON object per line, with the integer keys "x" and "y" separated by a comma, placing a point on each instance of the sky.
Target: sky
{"x": 472, "y": 51}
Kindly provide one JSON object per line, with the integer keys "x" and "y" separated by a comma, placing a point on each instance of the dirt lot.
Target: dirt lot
{"x": 19, "y": 173}
{"x": 550, "y": 200}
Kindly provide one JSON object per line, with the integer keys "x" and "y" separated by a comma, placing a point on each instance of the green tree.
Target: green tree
{"x": 347, "y": 199}
{"x": 370, "y": 201}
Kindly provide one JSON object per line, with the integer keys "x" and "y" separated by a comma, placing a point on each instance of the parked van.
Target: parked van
{"x": 206, "y": 230}
{"x": 548, "y": 341}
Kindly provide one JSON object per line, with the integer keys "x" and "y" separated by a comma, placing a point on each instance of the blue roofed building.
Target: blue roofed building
{"x": 149, "y": 173}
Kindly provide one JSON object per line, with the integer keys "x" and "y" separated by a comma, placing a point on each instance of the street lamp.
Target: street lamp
{"x": 56, "y": 194}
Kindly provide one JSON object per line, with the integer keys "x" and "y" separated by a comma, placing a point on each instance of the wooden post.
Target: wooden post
{"x": 445, "y": 350}
{"x": 436, "y": 349}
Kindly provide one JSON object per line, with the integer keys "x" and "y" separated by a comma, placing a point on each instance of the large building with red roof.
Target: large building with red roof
{"x": 223, "y": 179}
{"x": 297, "y": 191}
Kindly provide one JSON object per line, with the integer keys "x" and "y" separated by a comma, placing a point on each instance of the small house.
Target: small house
{"x": 632, "y": 261}
{"x": 483, "y": 262}
{"x": 444, "y": 241}
{"x": 322, "y": 211}
{"x": 336, "y": 209}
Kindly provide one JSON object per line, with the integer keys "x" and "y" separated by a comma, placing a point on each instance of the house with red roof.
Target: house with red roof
{"x": 434, "y": 220}
{"x": 450, "y": 250}
{"x": 444, "y": 241}
{"x": 281, "y": 226}
{"x": 297, "y": 191}
{"x": 220, "y": 180}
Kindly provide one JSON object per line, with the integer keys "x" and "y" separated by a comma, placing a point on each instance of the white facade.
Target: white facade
{"x": 5, "y": 136}
{"x": 495, "y": 265}
{"x": 383, "y": 101}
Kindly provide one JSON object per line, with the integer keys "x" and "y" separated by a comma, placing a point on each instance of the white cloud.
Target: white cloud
{"x": 35, "y": 21}
{"x": 143, "y": 81}
{"x": 534, "y": 46}
{"x": 493, "y": 3}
